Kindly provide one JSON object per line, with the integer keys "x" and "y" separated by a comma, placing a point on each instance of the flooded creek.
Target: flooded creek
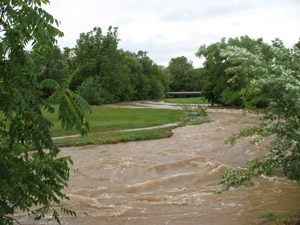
{"x": 173, "y": 180}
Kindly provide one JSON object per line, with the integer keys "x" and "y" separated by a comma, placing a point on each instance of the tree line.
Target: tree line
{"x": 102, "y": 73}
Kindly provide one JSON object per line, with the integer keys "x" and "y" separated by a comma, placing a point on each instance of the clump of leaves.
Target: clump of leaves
{"x": 233, "y": 177}
{"x": 194, "y": 114}
{"x": 284, "y": 218}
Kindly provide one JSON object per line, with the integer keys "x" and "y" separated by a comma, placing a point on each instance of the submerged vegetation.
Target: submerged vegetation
{"x": 286, "y": 218}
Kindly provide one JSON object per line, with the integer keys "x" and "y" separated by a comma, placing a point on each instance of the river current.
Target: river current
{"x": 172, "y": 180}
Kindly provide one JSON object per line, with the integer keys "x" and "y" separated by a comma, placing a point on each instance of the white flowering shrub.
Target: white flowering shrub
{"x": 275, "y": 80}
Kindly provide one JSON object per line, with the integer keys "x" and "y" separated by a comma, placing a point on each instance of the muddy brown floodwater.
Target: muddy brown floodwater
{"x": 172, "y": 181}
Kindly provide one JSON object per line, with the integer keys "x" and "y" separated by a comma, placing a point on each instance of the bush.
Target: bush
{"x": 92, "y": 91}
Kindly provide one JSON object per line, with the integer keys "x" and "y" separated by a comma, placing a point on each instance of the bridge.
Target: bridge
{"x": 184, "y": 93}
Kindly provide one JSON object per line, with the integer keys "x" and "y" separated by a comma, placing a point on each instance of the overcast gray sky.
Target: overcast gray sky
{"x": 171, "y": 28}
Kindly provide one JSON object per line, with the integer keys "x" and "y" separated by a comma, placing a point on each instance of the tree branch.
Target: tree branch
{"x": 11, "y": 218}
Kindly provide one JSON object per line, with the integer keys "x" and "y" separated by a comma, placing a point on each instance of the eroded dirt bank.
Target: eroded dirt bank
{"x": 171, "y": 181}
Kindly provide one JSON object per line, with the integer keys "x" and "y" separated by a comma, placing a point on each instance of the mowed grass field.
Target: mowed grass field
{"x": 108, "y": 125}
{"x": 106, "y": 119}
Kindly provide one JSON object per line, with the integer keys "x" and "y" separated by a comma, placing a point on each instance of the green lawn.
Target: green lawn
{"x": 107, "y": 122}
{"x": 105, "y": 119}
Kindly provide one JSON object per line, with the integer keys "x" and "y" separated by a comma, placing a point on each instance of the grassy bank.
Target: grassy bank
{"x": 115, "y": 137}
{"x": 107, "y": 119}
{"x": 108, "y": 125}
{"x": 194, "y": 100}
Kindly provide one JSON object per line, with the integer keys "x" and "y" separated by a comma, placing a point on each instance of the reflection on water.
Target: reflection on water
{"x": 172, "y": 181}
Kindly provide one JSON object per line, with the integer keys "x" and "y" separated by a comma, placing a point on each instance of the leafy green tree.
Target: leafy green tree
{"x": 133, "y": 68}
{"x": 147, "y": 80}
{"x": 53, "y": 66}
{"x": 88, "y": 53}
{"x": 181, "y": 71}
{"x": 32, "y": 175}
{"x": 223, "y": 87}
{"x": 122, "y": 75}
{"x": 194, "y": 80}
{"x": 70, "y": 60}
{"x": 215, "y": 80}
{"x": 92, "y": 91}
{"x": 154, "y": 82}
{"x": 277, "y": 80}
{"x": 97, "y": 55}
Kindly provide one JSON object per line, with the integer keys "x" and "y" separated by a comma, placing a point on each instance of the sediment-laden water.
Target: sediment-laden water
{"x": 173, "y": 180}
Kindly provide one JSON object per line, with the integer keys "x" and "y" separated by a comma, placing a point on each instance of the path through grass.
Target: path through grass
{"x": 105, "y": 119}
